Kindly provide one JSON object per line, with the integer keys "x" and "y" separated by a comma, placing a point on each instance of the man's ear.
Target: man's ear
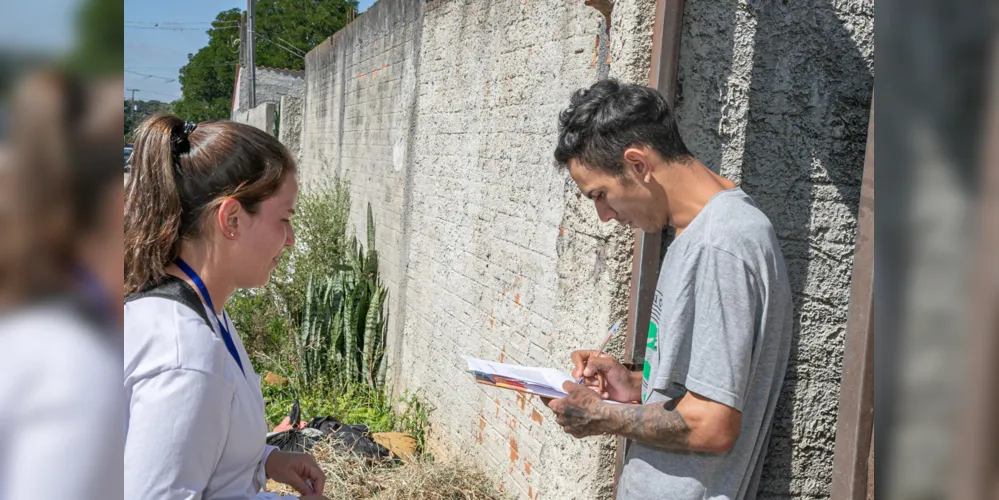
{"x": 637, "y": 161}
{"x": 228, "y": 217}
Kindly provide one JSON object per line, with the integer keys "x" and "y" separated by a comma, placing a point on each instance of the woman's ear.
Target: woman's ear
{"x": 229, "y": 214}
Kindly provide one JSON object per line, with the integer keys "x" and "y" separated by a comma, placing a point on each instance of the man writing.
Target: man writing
{"x": 721, "y": 322}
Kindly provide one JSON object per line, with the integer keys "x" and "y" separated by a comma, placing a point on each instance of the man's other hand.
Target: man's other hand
{"x": 579, "y": 413}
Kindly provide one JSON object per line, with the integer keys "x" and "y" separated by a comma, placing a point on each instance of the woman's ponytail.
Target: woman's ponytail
{"x": 152, "y": 201}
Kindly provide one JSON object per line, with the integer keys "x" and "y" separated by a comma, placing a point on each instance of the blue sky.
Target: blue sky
{"x": 21, "y": 25}
{"x": 158, "y": 54}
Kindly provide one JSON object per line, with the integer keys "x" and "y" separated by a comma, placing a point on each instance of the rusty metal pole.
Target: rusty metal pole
{"x": 645, "y": 260}
{"x": 855, "y": 423}
{"x": 977, "y": 473}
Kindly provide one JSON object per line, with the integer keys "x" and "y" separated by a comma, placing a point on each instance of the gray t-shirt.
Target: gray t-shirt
{"x": 721, "y": 328}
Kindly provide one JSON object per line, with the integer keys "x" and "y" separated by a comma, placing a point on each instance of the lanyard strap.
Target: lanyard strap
{"x": 226, "y": 337}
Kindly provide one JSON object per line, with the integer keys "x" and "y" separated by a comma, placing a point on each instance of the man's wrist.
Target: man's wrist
{"x": 608, "y": 419}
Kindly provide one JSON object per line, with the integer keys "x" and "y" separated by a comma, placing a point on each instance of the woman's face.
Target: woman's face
{"x": 265, "y": 235}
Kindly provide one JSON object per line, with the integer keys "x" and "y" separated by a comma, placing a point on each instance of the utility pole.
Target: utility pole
{"x": 131, "y": 106}
{"x": 251, "y": 60}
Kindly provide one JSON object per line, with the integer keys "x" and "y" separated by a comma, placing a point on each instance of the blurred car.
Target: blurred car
{"x": 128, "y": 155}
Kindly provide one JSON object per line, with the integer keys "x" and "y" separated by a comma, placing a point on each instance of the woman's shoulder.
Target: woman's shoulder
{"x": 162, "y": 334}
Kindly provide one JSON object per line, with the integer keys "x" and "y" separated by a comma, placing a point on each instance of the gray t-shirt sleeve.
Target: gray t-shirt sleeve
{"x": 709, "y": 343}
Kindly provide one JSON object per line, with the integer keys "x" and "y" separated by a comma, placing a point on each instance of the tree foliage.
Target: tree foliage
{"x": 285, "y": 28}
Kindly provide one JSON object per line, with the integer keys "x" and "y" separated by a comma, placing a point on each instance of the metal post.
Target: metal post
{"x": 645, "y": 261}
{"x": 251, "y": 60}
{"x": 855, "y": 422}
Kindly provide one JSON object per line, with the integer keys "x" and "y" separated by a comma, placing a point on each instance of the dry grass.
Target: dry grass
{"x": 349, "y": 477}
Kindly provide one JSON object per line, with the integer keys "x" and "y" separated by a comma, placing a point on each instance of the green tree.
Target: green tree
{"x": 100, "y": 28}
{"x": 207, "y": 80}
{"x": 288, "y": 26}
{"x": 285, "y": 28}
{"x": 133, "y": 117}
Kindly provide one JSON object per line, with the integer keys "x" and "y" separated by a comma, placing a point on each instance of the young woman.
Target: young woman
{"x": 207, "y": 211}
{"x": 61, "y": 204}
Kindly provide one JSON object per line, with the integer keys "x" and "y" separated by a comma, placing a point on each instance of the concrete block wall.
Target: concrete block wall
{"x": 261, "y": 117}
{"x": 776, "y": 95}
{"x": 443, "y": 116}
{"x": 445, "y": 124}
{"x": 290, "y": 124}
{"x": 272, "y": 84}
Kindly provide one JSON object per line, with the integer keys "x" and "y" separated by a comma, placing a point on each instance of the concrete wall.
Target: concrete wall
{"x": 443, "y": 117}
{"x": 290, "y": 124}
{"x": 261, "y": 117}
{"x": 272, "y": 84}
{"x": 776, "y": 95}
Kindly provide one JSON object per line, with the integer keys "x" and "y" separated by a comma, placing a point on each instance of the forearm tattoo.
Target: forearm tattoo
{"x": 653, "y": 424}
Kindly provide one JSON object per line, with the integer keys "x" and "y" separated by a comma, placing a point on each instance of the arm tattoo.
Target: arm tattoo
{"x": 653, "y": 424}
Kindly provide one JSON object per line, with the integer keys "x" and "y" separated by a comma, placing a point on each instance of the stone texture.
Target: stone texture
{"x": 261, "y": 117}
{"x": 290, "y": 124}
{"x": 776, "y": 95}
{"x": 272, "y": 84}
{"x": 442, "y": 115}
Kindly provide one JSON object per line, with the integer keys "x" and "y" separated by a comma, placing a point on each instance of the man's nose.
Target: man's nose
{"x": 605, "y": 212}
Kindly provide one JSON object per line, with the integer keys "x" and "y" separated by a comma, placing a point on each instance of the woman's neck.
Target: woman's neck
{"x": 219, "y": 286}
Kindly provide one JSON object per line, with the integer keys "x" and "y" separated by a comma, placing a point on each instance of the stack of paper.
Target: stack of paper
{"x": 545, "y": 382}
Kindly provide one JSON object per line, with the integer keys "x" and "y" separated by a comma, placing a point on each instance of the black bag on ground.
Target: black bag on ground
{"x": 351, "y": 438}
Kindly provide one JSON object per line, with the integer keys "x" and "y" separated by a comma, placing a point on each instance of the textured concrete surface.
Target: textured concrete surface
{"x": 290, "y": 124}
{"x": 272, "y": 84}
{"x": 443, "y": 117}
{"x": 261, "y": 117}
{"x": 776, "y": 95}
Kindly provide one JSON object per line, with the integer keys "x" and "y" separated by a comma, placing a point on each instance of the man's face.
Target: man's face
{"x": 628, "y": 200}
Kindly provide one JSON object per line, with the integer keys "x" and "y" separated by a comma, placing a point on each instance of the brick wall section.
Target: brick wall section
{"x": 776, "y": 96}
{"x": 443, "y": 117}
{"x": 445, "y": 124}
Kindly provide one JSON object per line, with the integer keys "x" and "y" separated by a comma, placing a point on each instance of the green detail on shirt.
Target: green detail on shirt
{"x": 650, "y": 345}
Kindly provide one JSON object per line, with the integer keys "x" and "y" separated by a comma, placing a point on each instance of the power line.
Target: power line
{"x": 166, "y": 28}
{"x": 293, "y": 51}
{"x": 188, "y": 65}
{"x": 165, "y": 79}
{"x": 157, "y": 93}
{"x": 182, "y": 22}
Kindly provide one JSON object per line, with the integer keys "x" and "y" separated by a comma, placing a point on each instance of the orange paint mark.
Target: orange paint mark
{"x": 502, "y": 355}
{"x": 562, "y": 231}
{"x": 497, "y": 406}
{"x": 521, "y": 400}
{"x": 513, "y": 450}
{"x": 482, "y": 422}
{"x": 516, "y": 299}
{"x": 502, "y": 487}
{"x": 513, "y": 424}
{"x": 530, "y": 491}
{"x": 535, "y": 416}
{"x": 527, "y": 468}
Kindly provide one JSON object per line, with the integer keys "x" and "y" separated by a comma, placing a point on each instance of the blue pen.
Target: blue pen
{"x": 610, "y": 333}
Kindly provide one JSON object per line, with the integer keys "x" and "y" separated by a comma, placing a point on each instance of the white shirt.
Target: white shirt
{"x": 60, "y": 406}
{"x": 195, "y": 426}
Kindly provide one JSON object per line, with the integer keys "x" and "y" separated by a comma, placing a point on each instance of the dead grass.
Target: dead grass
{"x": 349, "y": 477}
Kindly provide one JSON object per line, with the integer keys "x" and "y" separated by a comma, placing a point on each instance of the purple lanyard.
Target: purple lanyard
{"x": 226, "y": 337}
